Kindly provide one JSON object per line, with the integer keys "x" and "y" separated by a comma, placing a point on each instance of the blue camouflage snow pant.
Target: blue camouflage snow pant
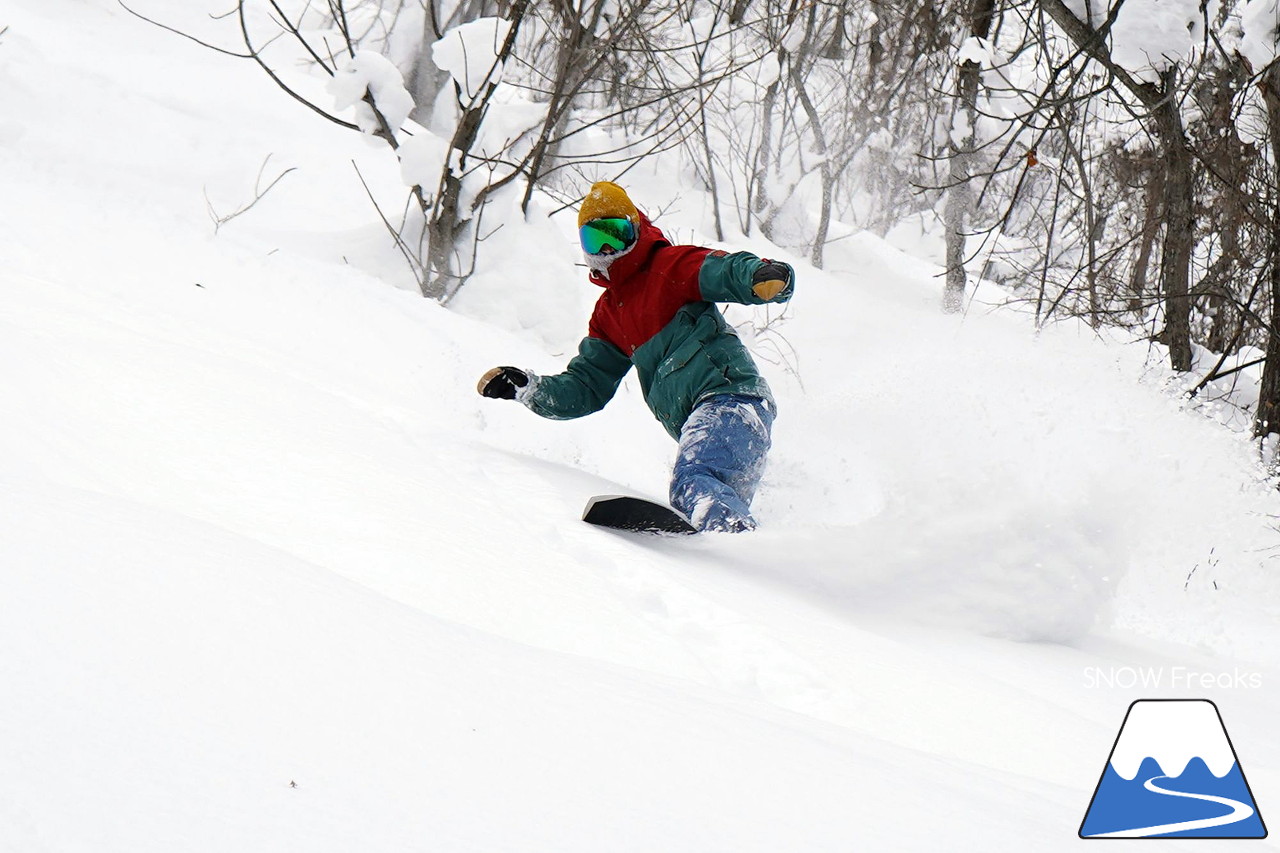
{"x": 720, "y": 460}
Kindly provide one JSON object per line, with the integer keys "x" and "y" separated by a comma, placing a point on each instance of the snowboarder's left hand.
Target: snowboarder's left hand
{"x": 502, "y": 383}
{"x": 770, "y": 279}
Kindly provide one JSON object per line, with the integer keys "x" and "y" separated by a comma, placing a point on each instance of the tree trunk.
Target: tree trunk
{"x": 1230, "y": 158}
{"x": 449, "y": 226}
{"x": 1268, "y": 420}
{"x": 1179, "y": 232}
{"x": 875, "y": 48}
{"x": 763, "y": 201}
{"x": 959, "y": 194}
{"x": 826, "y": 170}
{"x": 1147, "y": 239}
{"x": 956, "y": 215}
{"x": 1179, "y": 216}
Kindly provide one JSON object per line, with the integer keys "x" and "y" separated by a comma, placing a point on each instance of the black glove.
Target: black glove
{"x": 770, "y": 279}
{"x": 501, "y": 383}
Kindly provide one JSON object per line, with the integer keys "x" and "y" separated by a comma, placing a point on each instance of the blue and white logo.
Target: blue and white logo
{"x": 1173, "y": 773}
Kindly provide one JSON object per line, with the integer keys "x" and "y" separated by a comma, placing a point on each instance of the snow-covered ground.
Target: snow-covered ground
{"x": 274, "y": 577}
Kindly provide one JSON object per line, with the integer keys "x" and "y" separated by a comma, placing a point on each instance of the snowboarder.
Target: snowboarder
{"x": 658, "y": 313}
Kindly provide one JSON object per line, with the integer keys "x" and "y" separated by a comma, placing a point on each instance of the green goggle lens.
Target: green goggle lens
{"x": 599, "y": 234}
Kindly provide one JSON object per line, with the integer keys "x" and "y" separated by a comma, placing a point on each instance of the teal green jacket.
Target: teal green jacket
{"x": 658, "y": 313}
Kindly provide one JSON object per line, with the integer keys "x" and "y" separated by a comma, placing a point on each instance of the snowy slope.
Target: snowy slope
{"x": 256, "y": 527}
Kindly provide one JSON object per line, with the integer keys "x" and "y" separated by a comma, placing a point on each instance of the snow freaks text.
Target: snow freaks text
{"x": 1171, "y": 677}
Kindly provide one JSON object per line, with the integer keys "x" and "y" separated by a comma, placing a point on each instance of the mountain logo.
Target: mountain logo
{"x": 1173, "y": 773}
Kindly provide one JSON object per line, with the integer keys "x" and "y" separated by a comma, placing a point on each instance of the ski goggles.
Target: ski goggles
{"x": 616, "y": 233}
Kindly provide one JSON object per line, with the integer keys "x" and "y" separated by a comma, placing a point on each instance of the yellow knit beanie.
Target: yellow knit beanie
{"x": 605, "y": 200}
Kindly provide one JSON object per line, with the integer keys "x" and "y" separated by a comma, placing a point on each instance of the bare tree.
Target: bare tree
{"x": 980, "y": 15}
{"x": 1163, "y": 105}
{"x": 1268, "y": 420}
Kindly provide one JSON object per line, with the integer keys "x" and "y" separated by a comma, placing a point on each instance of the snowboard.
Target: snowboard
{"x": 637, "y": 515}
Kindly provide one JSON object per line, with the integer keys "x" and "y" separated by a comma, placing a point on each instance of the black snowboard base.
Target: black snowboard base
{"x": 623, "y": 512}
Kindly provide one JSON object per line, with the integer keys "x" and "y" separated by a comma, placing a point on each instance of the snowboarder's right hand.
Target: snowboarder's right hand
{"x": 502, "y": 383}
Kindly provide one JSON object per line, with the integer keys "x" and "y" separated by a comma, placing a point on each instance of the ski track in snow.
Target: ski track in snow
{"x": 737, "y": 653}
